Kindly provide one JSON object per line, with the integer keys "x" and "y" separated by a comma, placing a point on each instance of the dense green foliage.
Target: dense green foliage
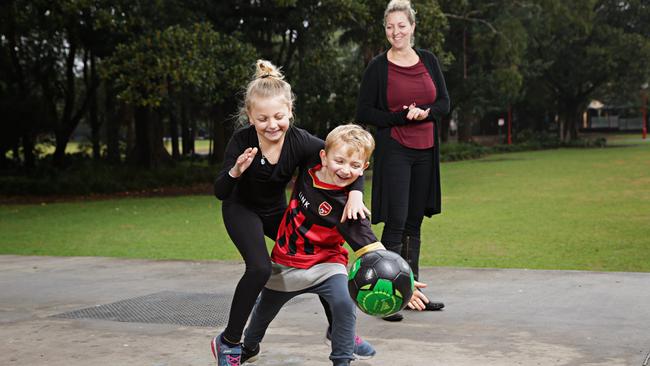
{"x": 130, "y": 73}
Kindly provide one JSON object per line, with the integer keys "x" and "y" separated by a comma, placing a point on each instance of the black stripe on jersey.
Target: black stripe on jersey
{"x": 293, "y": 238}
{"x": 304, "y": 229}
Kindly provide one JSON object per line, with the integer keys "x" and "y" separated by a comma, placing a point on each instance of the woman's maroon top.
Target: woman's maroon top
{"x": 408, "y": 85}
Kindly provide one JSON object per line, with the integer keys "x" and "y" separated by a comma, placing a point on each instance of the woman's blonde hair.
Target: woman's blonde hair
{"x": 403, "y": 6}
{"x": 352, "y": 136}
{"x": 268, "y": 82}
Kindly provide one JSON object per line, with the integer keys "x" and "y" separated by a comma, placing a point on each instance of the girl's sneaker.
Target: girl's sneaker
{"x": 225, "y": 356}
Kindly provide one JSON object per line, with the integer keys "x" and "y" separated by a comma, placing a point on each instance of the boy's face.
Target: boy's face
{"x": 343, "y": 164}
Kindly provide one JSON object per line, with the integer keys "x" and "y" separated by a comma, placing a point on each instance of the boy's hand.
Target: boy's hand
{"x": 243, "y": 162}
{"x": 354, "y": 207}
{"x": 418, "y": 299}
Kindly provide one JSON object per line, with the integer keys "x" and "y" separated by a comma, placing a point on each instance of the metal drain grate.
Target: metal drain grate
{"x": 166, "y": 307}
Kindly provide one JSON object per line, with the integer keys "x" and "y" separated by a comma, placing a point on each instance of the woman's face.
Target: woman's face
{"x": 399, "y": 30}
{"x": 271, "y": 118}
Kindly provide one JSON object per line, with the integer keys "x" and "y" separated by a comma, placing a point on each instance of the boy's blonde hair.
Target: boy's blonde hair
{"x": 268, "y": 82}
{"x": 354, "y": 136}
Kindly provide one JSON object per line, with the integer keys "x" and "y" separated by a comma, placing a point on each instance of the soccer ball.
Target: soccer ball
{"x": 381, "y": 283}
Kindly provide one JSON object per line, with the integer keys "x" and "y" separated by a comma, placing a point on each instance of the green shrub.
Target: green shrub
{"x": 462, "y": 151}
{"x": 84, "y": 176}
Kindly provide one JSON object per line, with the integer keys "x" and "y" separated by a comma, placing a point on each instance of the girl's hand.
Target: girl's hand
{"x": 418, "y": 300}
{"x": 415, "y": 113}
{"x": 243, "y": 162}
{"x": 355, "y": 207}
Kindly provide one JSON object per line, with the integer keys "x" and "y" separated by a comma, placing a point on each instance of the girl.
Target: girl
{"x": 260, "y": 160}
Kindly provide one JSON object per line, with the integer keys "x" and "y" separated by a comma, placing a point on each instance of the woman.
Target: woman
{"x": 403, "y": 94}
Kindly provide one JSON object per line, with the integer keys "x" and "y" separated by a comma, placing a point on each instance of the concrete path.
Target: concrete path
{"x": 493, "y": 317}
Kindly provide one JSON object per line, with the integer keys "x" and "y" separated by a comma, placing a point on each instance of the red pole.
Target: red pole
{"x": 509, "y": 125}
{"x": 644, "y": 120}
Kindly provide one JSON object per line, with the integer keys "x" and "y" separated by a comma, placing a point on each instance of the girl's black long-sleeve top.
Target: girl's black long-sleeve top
{"x": 262, "y": 187}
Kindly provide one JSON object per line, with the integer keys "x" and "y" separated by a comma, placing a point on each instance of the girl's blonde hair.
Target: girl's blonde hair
{"x": 268, "y": 82}
{"x": 403, "y": 6}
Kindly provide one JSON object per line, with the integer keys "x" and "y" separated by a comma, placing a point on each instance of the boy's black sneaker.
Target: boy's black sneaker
{"x": 430, "y": 306}
{"x": 249, "y": 355}
{"x": 397, "y": 317}
{"x": 434, "y": 306}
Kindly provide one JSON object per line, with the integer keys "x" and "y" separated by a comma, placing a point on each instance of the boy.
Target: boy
{"x": 308, "y": 255}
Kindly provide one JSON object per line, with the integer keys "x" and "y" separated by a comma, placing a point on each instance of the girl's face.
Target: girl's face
{"x": 399, "y": 30}
{"x": 271, "y": 118}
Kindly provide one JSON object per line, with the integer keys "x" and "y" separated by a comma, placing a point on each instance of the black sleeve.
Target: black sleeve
{"x": 440, "y": 107}
{"x": 224, "y": 183}
{"x": 357, "y": 233}
{"x": 309, "y": 147}
{"x": 358, "y": 184}
{"x": 369, "y": 94}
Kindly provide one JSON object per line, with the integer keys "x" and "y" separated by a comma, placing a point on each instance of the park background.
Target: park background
{"x": 115, "y": 115}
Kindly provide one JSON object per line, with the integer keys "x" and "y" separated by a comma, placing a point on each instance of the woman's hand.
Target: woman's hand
{"x": 418, "y": 300}
{"x": 243, "y": 162}
{"x": 355, "y": 207}
{"x": 415, "y": 113}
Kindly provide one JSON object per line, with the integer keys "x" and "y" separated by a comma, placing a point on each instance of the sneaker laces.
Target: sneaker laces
{"x": 233, "y": 360}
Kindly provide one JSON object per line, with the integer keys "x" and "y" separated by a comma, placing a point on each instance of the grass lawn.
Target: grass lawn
{"x": 586, "y": 209}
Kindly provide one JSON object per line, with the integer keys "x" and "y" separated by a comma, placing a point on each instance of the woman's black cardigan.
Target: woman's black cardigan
{"x": 372, "y": 109}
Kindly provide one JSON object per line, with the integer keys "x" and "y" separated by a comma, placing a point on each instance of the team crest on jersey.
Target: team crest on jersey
{"x": 324, "y": 208}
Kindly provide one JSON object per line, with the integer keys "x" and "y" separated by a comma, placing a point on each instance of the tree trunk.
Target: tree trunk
{"x": 570, "y": 121}
{"x": 465, "y": 124}
{"x": 112, "y": 126}
{"x": 192, "y": 135}
{"x": 70, "y": 119}
{"x": 444, "y": 128}
{"x": 149, "y": 148}
{"x": 185, "y": 127}
{"x": 92, "y": 109}
{"x": 173, "y": 132}
{"x": 173, "y": 121}
{"x": 142, "y": 148}
{"x": 218, "y": 135}
{"x": 28, "y": 149}
{"x": 158, "y": 151}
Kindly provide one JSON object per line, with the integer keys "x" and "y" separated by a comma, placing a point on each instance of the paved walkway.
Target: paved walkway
{"x": 493, "y": 317}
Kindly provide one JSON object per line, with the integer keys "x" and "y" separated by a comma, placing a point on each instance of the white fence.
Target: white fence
{"x": 615, "y": 122}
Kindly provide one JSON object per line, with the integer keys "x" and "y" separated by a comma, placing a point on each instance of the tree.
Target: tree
{"x": 488, "y": 42}
{"x": 196, "y": 59}
{"x": 585, "y": 49}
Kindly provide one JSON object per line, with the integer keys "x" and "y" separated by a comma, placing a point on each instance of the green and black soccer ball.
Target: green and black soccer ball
{"x": 381, "y": 283}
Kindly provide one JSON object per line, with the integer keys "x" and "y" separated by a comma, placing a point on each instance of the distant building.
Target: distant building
{"x": 605, "y": 117}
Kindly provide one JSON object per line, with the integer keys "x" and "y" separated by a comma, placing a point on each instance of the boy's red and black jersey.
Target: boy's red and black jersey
{"x": 311, "y": 231}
